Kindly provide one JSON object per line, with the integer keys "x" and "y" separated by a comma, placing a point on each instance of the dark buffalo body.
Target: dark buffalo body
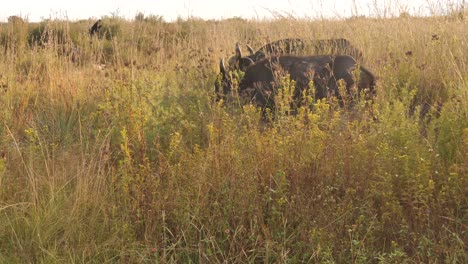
{"x": 338, "y": 46}
{"x": 292, "y": 46}
{"x": 95, "y": 28}
{"x": 260, "y": 82}
{"x": 295, "y": 46}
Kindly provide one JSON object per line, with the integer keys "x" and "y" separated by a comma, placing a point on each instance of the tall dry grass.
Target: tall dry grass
{"x": 113, "y": 150}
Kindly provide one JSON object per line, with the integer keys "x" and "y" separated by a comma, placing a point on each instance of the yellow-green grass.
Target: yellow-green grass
{"x": 122, "y": 155}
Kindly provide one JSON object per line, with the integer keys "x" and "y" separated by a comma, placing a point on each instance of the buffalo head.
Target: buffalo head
{"x": 239, "y": 62}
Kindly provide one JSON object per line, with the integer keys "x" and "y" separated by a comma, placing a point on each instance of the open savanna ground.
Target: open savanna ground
{"x": 113, "y": 149}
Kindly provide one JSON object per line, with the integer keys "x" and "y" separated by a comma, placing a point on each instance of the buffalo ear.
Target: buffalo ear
{"x": 222, "y": 69}
{"x": 251, "y": 51}
{"x": 238, "y": 51}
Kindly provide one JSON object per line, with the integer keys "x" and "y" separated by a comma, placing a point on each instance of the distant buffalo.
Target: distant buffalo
{"x": 295, "y": 46}
{"x": 95, "y": 28}
{"x": 260, "y": 83}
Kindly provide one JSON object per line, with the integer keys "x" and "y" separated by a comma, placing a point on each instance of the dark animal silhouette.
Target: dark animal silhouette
{"x": 260, "y": 82}
{"x": 294, "y": 46}
{"x": 282, "y": 46}
{"x": 95, "y": 28}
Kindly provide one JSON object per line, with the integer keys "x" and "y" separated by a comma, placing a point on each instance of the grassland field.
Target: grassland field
{"x": 113, "y": 149}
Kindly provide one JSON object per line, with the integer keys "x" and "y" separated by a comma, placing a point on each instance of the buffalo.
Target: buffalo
{"x": 260, "y": 83}
{"x": 294, "y": 46}
{"x": 95, "y": 28}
